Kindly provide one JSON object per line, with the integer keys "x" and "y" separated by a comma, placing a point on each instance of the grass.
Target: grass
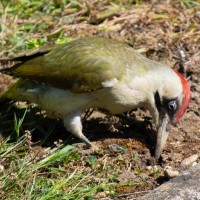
{"x": 25, "y": 175}
{"x": 58, "y": 173}
{"x": 29, "y": 170}
{"x": 191, "y": 3}
{"x": 18, "y": 34}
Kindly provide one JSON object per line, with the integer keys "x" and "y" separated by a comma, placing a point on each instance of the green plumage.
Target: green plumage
{"x": 81, "y": 65}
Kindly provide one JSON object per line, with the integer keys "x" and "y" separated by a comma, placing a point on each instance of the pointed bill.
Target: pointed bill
{"x": 161, "y": 137}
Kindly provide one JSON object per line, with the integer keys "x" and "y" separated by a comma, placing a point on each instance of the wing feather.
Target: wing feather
{"x": 82, "y": 65}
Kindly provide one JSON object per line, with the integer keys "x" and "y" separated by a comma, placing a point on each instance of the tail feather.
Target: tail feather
{"x": 6, "y": 82}
{"x": 28, "y": 69}
{"x": 29, "y": 54}
{"x": 9, "y": 65}
{"x": 16, "y": 83}
{"x": 19, "y": 66}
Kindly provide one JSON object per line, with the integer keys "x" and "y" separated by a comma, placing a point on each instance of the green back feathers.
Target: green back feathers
{"x": 81, "y": 65}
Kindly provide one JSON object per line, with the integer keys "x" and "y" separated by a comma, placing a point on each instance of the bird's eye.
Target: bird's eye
{"x": 172, "y": 105}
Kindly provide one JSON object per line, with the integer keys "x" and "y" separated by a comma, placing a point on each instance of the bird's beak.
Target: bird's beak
{"x": 162, "y": 136}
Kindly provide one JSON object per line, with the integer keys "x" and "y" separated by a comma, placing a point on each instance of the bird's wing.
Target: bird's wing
{"x": 82, "y": 65}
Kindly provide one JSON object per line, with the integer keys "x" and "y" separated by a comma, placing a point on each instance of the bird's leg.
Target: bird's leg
{"x": 72, "y": 123}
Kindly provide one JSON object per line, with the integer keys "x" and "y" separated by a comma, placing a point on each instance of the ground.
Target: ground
{"x": 166, "y": 31}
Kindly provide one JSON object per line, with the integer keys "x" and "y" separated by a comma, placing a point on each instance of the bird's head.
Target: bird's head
{"x": 173, "y": 97}
{"x": 171, "y": 101}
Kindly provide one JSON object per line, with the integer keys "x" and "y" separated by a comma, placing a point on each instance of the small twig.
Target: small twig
{"x": 133, "y": 193}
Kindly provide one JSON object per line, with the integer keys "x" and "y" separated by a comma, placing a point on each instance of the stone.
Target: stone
{"x": 183, "y": 187}
{"x": 2, "y": 168}
{"x": 194, "y": 163}
{"x": 188, "y": 161}
{"x": 170, "y": 173}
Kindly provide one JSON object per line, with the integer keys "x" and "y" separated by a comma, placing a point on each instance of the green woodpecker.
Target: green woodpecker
{"x": 99, "y": 73}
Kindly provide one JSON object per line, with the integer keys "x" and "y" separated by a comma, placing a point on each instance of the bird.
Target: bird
{"x": 98, "y": 72}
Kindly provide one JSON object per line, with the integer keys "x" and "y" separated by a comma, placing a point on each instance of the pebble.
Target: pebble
{"x": 189, "y": 161}
{"x": 149, "y": 168}
{"x": 170, "y": 173}
{"x": 194, "y": 163}
{"x": 2, "y": 168}
{"x": 153, "y": 169}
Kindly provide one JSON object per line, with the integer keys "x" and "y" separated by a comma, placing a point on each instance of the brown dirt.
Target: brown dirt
{"x": 160, "y": 31}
